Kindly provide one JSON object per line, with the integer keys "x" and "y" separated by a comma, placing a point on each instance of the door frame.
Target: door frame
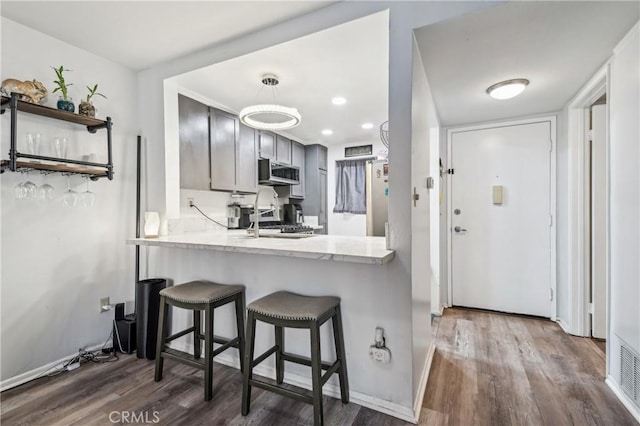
{"x": 552, "y": 199}
{"x": 579, "y": 254}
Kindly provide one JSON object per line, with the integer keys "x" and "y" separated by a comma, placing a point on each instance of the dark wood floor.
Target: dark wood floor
{"x": 488, "y": 369}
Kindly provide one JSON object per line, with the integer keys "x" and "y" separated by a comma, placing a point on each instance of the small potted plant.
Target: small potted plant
{"x": 64, "y": 102}
{"x": 86, "y": 107}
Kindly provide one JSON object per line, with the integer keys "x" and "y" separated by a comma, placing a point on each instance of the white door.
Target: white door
{"x": 501, "y": 248}
{"x": 598, "y": 221}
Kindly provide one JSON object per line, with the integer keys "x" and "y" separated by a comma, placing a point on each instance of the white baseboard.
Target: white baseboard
{"x": 626, "y": 401}
{"x": 23, "y": 378}
{"x": 422, "y": 387}
{"x": 377, "y": 404}
{"x": 562, "y": 325}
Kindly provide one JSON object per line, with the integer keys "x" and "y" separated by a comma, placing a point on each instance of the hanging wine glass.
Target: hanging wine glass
{"x": 70, "y": 197}
{"x": 29, "y": 188}
{"x": 45, "y": 192}
{"x": 19, "y": 191}
{"x": 87, "y": 198}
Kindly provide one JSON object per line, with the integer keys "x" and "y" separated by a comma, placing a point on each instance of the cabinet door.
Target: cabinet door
{"x": 224, "y": 129}
{"x": 322, "y": 157}
{"x": 267, "y": 145}
{"x": 193, "y": 123}
{"x": 283, "y": 150}
{"x": 297, "y": 159}
{"x": 322, "y": 214}
{"x": 246, "y": 160}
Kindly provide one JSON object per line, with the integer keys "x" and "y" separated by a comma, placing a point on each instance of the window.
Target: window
{"x": 350, "y": 186}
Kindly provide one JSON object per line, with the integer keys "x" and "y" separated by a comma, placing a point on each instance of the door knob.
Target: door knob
{"x": 459, "y": 229}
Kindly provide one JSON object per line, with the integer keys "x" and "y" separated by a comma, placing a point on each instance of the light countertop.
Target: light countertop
{"x": 322, "y": 247}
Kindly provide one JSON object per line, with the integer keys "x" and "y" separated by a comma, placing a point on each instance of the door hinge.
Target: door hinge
{"x": 550, "y": 220}
{"x": 590, "y": 308}
{"x": 550, "y": 294}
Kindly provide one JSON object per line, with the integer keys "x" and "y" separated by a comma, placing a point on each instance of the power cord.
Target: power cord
{"x": 192, "y": 204}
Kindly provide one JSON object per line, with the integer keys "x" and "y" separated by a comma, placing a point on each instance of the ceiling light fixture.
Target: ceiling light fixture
{"x": 367, "y": 126}
{"x": 508, "y": 89}
{"x": 270, "y": 116}
{"x": 327, "y": 132}
{"x": 338, "y": 100}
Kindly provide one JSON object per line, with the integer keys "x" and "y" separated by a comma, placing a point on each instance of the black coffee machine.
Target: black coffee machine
{"x": 292, "y": 214}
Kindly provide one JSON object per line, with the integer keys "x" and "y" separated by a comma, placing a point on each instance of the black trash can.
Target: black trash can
{"x": 147, "y": 309}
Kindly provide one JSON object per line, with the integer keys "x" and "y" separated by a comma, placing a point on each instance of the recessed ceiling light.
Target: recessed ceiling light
{"x": 327, "y": 132}
{"x": 367, "y": 126}
{"x": 507, "y": 89}
{"x": 338, "y": 100}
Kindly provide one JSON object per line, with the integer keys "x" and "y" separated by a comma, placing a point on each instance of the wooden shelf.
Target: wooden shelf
{"x": 90, "y": 122}
{"x": 58, "y": 168}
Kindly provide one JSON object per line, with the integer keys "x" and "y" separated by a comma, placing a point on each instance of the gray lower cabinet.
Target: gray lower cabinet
{"x": 193, "y": 123}
{"x": 283, "y": 150}
{"x": 267, "y": 145}
{"x": 234, "y": 163}
{"x": 315, "y": 175}
{"x": 297, "y": 159}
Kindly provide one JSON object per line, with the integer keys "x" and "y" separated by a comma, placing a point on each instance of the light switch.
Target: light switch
{"x": 497, "y": 194}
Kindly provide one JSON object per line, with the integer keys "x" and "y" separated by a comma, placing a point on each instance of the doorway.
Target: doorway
{"x": 596, "y": 192}
{"x": 502, "y": 200}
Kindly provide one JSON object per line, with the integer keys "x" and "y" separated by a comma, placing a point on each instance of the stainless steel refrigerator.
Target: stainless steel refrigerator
{"x": 377, "y": 190}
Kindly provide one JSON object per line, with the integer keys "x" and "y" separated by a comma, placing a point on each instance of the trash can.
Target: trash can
{"x": 147, "y": 310}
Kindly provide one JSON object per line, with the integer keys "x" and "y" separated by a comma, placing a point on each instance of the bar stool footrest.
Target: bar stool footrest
{"x": 334, "y": 368}
{"x": 264, "y": 356}
{"x": 303, "y": 360}
{"x": 179, "y": 334}
{"x": 182, "y": 357}
{"x": 226, "y": 344}
{"x": 282, "y": 391}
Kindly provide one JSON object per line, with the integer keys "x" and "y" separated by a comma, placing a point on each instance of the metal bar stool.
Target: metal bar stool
{"x": 199, "y": 296}
{"x": 284, "y": 309}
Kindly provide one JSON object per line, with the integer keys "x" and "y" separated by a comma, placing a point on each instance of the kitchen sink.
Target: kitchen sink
{"x": 286, "y": 235}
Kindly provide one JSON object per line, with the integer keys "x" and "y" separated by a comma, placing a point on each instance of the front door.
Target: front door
{"x": 500, "y": 218}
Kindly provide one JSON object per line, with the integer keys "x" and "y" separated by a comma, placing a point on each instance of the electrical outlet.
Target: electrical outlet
{"x": 382, "y": 355}
{"x": 104, "y": 304}
{"x": 190, "y": 201}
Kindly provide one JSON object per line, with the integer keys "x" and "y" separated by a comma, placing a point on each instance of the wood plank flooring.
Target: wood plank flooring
{"x": 488, "y": 369}
{"x": 498, "y": 369}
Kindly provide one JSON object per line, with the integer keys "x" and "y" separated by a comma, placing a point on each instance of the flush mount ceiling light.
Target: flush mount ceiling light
{"x": 338, "y": 100}
{"x": 327, "y": 132}
{"x": 270, "y": 116}
{"x": 367, "y": 126}
{"x": 508, "y": 89}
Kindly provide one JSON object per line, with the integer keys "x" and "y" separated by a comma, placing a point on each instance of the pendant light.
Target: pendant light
{"x": 270, "y": 116}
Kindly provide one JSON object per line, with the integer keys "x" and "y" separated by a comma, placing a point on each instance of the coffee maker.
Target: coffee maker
{"x": 292, "y": 214}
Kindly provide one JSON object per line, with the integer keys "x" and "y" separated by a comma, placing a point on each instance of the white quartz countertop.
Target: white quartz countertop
{"x": 322, "y": 247}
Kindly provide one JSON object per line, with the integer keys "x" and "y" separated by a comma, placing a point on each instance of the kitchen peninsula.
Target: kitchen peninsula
{"x": 359, "y": 270}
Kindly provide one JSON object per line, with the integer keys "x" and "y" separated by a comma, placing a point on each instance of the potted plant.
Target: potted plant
{"x": 86, "y": 107}
{"x": 64, "y": 102}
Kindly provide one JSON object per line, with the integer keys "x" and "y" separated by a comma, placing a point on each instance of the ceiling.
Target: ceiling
{"x": 349, "y": 60}
{"x": 557, "y": 45}
{"x": 140, "y": 34}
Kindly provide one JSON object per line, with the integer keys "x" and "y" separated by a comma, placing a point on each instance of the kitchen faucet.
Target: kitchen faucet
{"x": 256, "y": 212}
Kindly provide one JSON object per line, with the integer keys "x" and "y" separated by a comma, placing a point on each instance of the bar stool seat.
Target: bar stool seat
{"x": 199, "y": 296}
{"x": 285, "y": 309}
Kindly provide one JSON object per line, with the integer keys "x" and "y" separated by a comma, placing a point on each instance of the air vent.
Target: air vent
{"x": 630, "y": 373}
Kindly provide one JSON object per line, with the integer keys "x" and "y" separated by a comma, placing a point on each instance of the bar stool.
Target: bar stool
{"x": 199, "y": 296}
{"x": 285, "y": 309}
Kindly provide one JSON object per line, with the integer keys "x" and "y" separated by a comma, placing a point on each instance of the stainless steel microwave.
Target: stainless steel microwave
{"x": 272, "y": 173}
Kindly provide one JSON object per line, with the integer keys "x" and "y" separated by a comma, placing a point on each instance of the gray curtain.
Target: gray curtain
{"x": 350, "y": 186}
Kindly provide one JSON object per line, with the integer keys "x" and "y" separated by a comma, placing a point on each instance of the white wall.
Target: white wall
{"x": 424, "y": 121}
{"x": 57, "y": 262}
{"x": 404, "y": 17}
{"x": 345, "y": 223}
{"x": 624, "y": 104}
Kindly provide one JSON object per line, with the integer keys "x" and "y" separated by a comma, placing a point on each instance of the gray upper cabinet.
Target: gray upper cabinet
{"x": 297, "y": 159}
{"x": 283, "y": 150}
{"x": 224, "y": 130}
{"x": 247, "y": 160}
{"x": 193, "y": 123}
{"x": 315, "y": 201}
{"x": 234, "y": 159}
{"x": 267, "y": 145}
